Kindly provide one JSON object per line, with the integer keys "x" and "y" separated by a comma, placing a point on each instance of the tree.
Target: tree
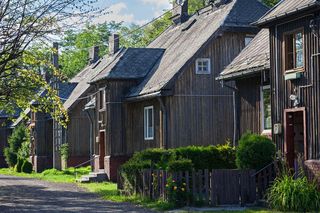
{"x": 22, "y": 24}
{"x": 271, "y": 3}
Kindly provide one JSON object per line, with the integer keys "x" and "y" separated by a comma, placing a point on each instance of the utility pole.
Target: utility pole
{"x": 57, "y": 128}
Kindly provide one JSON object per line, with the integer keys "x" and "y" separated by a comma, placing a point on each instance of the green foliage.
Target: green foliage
{"x": 177, "y": 194}
{"x": 64, "y": 151}
{"x": 180, "y": 165}
{"x": 289, "y": 194}
{"x": 19, "y": 136}
{"x": 254, "y": 151}
{"x": 26, "y": 167}
{"x": 270, "y": 3}
{"x": 19, "y": 164}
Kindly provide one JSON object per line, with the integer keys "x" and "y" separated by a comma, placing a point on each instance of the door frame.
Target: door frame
{"x": 293, "y": 110}
{"x": 103, "y": 145}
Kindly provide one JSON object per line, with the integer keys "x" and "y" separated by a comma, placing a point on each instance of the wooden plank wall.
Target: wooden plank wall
{"x": 201, "y": 112}
{"x": 5, "y": 132}
{"x": 78, "y": 131}
{"x": 281, "y": 89}
{"x": 43, "y": 135}
{"x": 248, "y": 103}
{"x": 135, "y": 129}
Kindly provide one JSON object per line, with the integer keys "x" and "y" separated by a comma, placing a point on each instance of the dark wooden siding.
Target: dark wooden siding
{"x": 43, "y": 136}
{"x": 5, "y": 132}
{"x": 134, "y": 126}
{"x": 281, "y": 89}
{"x": 201, "y": 112}
{"x": 78, "y": 132}
{"x": 248, "y": 104}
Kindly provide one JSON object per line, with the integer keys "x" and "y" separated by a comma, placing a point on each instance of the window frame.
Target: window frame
{"x": 202, "y": 60}
{"x": 285, "y": 52}
{"x": 102, "y": 99}
{"x": 251, "y": 37}
{"x": 262, "y": 109}
{"x": 146, "y": 123}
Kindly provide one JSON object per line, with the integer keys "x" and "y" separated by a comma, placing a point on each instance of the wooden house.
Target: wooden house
{"x": 294, "y": 77}
{"x": 173, "y": 101}
{"x": 250, "y": 72}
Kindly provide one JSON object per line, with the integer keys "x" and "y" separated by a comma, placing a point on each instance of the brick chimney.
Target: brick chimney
{"x": 93, "y": 55}
{"x": 180, "y": 11}
{"x": 114, "y": 44}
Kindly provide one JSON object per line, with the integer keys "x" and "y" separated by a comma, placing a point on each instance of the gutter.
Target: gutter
{"x": 244, "y": 73}
{"x": 144, "y": 97}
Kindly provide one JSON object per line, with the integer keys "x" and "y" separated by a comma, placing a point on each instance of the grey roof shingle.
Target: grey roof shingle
{"x": 183, "y": 41}
{"x": 252, "y": 59}
{"x": 131, "y": 63}
{"x": 285, "y": 8}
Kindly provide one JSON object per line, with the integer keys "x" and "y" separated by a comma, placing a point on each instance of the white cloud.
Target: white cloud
{"x": 118, "y": 13}
{"x": 158, "y": 6}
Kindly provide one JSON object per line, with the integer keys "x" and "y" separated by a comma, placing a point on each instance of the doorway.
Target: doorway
{"x": 295, "y": 136}
{"x": 102, "y": 152}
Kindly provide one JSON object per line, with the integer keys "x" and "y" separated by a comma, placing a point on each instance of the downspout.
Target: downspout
{"x": 235, "y": 121}
{"x": 164, "y": 123}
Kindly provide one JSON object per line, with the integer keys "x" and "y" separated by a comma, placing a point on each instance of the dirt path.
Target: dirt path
{"x": 30, "y": 195}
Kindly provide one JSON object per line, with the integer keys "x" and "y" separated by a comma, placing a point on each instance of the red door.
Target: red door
{"x": 101, "y": 150}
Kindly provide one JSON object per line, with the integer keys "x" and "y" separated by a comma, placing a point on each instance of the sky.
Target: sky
{"x": 131, "y": 11}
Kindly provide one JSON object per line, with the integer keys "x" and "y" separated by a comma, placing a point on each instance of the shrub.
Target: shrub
{"x": 19, "y": 136}
{"x": 64, "y": 151}
{"x": 26, "y": 167}
{"x": 180, "y": 165}
{"x": 289, "y": 194}
{"x": 177, "y": 194}
{"x": 254, "y": 151}
{"x": 19, "y": 164}
{"x": 10, "y": 157}
{"x": 24, "y": 151}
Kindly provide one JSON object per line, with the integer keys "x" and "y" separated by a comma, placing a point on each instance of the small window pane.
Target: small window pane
{"x": 266, "y": 108}
{"x": 148, "y": 123}
{"x": 203, "y": 66}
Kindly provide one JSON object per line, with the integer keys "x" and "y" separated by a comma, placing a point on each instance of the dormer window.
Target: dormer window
{"x": 203, "y": 66}
{"x": 293, "y": 50}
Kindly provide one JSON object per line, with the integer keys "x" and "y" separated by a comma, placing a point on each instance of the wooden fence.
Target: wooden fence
{"x": 265, "y": 177}
{"x": 212, "y": 188}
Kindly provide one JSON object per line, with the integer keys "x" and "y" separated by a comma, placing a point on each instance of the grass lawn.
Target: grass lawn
{"x": 53, "y": 175}
{"x": 106, "y": 190}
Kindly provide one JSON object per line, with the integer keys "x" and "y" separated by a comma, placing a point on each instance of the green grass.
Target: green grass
{"x": 52, "y": 175}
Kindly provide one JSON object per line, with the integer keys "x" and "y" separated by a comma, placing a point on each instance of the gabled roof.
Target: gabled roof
{"x": 131, "y": 63}
{"x": 252, "y": 59}
{"x": 183, "y": 41}
{"x": 286, "y": 8}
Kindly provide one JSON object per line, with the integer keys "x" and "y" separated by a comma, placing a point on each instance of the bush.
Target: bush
{"x": 20, "y": 135}
{"x": 177, "y": 194}
{"x": 10, "y": 157}
{"x": 19, "y": 164}
{"x": 180, "y": 165}
{"x": 26, "y": 167}
{"x": 254, "y": 151}
{"x": 289, "y": 194}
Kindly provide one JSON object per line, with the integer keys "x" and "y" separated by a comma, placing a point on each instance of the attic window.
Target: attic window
{"x": 203, "y": 66}
{"x": 248, "y": 39}
{"x": 294, "y": 54}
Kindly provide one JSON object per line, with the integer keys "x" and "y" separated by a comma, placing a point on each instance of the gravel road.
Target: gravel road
{"x": 31, "y": 195}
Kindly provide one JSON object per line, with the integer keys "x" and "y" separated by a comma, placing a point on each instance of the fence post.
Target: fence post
{"x": 206, "y": 186}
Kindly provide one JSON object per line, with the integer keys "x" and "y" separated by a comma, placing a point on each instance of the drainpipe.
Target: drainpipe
{"x": 164, "y": 122}
{"x": 235, "y": 126}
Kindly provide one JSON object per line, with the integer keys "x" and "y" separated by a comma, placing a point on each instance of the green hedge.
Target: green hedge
{"x": 179, "y": 159}
{"x": 255, "y": 151}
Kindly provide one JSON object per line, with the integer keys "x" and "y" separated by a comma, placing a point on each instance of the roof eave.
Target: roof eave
{"x": 242, "y": 73}
{"x": 268, "y": 22}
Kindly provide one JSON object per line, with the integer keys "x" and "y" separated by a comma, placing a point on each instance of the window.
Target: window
{"x": 266, "y": 108}
{"x": 294, "y": 56}
{"x": 102, "y": 99}
{"x": 203, "y": 66}
{"x": 148, "y": 123}
{"x": 248, "y": 39}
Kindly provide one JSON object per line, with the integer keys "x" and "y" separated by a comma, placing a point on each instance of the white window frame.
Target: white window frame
{"x": 146, "y": 123}
{"x": 263, "y": 129}
{"x": 201, "y": 60}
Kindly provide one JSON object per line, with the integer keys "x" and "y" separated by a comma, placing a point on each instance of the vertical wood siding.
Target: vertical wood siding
{"x": 281, "y": 89}
{"x": 201, "y": 112}
{"x": 249, "y": 115}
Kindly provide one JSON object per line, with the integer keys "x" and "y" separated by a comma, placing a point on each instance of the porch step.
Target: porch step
{"x": 100, "y": 176}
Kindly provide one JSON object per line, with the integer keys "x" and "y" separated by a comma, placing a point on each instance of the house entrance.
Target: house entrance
{"x": 295, "y": 136}
{"x": 101, "y": 149}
